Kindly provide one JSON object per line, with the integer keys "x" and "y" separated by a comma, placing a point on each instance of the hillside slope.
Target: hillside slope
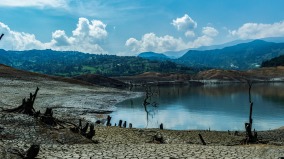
{"x": 243, "y": 56}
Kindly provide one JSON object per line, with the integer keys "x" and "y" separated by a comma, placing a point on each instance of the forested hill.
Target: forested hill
{"x": 277, "y": 61}
{"x": 242, "y": 56}
{"x": 70, "y": 63}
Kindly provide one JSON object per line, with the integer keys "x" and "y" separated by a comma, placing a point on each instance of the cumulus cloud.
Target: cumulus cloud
{"x": 189, "y": 34}
{"x": 151, "y": 42}
{"x": 95, "y": 29}
{"x": 210, "y": 31}
{"x": 59, "y": 38}
{"x": 259, "y": 30}
{"x": 85, "y": 38}
{"x": 18, "y": 40}
{"x": 185, "y": 24}
{"x": 34, "y": 3}
{"x": 203, "y": 40}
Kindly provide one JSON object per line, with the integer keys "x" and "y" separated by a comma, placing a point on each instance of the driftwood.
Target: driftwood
{"x": 27, "y": 106}
{"x": 201, "y": 139}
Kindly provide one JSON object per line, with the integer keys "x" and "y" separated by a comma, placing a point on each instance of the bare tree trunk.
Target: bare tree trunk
{"x": 248, "y": 126}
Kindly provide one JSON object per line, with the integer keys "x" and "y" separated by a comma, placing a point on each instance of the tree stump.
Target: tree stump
{"x": 158, "y": 138}
{"x": 91, "y": 133}
{"x": 130, "y": 125}
{"x": 84, "y": 130}
{"x": 124, "y": 124}
{"x": 120, "y": 123}
{"x": 108, "y": 121}
{"x": 27, "y": 105}
{"x": 32, "y": 152}
{"x": 47, "y": 117}
{"x": 161, "y": 126}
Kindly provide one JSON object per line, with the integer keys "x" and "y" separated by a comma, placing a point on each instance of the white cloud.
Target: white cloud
{"x": 151, "y": 42}
{"x": 18, "y": 40}
{"x": 95, "y": 29}
{"x": 85, "y": 38}
{"x": 59, "y": 38}
{"x": 34, "y": 3}
{"x": 210, "y": 31}
{"x": 189, "y": 34}
{"x": 184, "y": 23}
{"x": 259, "y": 30}
{"x": 201, "y": 41}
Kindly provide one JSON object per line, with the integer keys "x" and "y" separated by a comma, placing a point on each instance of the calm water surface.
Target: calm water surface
{"x": 218, "y": 107}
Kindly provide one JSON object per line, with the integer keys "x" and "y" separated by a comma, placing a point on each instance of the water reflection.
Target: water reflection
{"x": 221, "y": 107}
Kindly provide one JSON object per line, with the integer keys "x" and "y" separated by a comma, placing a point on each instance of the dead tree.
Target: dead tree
{"x": 27, "y": 106}
{"x": 1, "y": 36}
{"x": 149, "y": 93}
{"x": 248, "y": 126}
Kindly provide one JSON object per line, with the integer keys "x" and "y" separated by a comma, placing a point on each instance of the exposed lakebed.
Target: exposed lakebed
{"x": 215, "y": 107}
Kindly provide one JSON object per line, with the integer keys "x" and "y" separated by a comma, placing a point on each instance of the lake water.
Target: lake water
{"x": 218, "y": 107}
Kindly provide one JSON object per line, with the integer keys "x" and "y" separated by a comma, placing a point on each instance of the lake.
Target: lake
{"x": 214, "y": 107}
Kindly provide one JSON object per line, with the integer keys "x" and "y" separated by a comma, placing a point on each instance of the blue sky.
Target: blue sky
{"x": 127, "y": 27}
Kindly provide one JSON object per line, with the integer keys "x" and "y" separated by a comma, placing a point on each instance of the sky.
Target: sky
{"x": 128, "y": 27}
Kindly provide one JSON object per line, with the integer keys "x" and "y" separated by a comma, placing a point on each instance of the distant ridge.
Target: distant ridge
{"x": 153, "y": 56}
{"x": 242, "y": 56}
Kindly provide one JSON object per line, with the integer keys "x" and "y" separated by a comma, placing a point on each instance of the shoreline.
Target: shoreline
{"x": 20, "y": 131}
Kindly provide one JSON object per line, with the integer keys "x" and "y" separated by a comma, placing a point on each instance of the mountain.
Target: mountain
{"x": 238, "y": 57}
{"x": 153, "y": 56}
{"x": 277, "y": 61}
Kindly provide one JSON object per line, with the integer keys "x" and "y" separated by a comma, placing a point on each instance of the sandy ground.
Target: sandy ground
{"x": 71, "y": 101}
